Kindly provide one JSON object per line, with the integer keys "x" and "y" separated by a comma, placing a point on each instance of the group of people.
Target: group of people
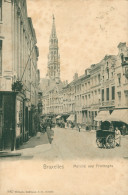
{"x": 45, "y": 124}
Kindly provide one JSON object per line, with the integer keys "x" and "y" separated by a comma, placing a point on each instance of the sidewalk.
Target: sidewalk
{"x": 34, "y": 145}
{"x": 39, "y": 139}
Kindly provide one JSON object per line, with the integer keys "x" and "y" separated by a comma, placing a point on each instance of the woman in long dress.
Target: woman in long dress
{"x": 117, "y": 137}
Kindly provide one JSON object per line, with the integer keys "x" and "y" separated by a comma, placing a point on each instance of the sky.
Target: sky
{"x": 87, "y": 30}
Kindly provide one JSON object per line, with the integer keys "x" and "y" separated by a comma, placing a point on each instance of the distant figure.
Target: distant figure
{"x": 50, "y": 124}
{"x": 117, "y": 137}
{"x": 79, "y": 127}
{"x": 124, "y": 130}
{"x": 111, "y": 128}
{"x": 65, "y": 125}
{"x": 43, "y": 126}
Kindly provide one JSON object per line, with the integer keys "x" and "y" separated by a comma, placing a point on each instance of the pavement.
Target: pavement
{"x": 29, "y": 148}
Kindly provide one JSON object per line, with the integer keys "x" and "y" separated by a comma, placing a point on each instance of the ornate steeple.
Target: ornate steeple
{"x": 53, "y": 56}
{"x": 53, "y": 32}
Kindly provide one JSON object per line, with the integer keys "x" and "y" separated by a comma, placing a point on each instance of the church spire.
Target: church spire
{"x": 53, "y": 56}
{"x": 53, "y": 32}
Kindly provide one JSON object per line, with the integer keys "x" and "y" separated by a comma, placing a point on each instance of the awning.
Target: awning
{"x": 71, "y": 118}
{"x": 58, "y": 116}
{"x": 120, "y": 115}
{"x": 102, "y": 115}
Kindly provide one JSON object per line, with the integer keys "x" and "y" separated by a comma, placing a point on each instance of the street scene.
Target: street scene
{"x": 63, "y": 97}
{"x": 68, "y": 144}
{"x": 44, "y": 112}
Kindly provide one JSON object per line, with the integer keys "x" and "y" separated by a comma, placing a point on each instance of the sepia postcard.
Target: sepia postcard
{"x": 64, "y": 97}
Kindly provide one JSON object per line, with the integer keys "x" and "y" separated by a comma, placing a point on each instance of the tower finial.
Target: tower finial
{"x": 53, "y": 56}
{"x": 53, "y": 17}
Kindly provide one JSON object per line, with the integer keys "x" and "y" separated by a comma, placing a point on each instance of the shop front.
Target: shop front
{"x": 11, "y": 120}
{"x": 7, "y": 120}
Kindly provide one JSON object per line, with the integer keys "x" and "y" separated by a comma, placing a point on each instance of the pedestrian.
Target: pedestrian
{"x": 50, "y": 124}
{"x": 111, "y": 128}
{"x": 117, "y": 137}
{"x": 79, "y": 127}
{"x": 124, "y": 130}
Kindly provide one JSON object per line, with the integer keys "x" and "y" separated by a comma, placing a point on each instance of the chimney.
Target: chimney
{"x": 87, "y": 72}
{"x": 75, "y": 76}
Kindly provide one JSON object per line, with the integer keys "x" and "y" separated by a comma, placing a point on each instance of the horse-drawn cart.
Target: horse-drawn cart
{"x": 105, "y": 138}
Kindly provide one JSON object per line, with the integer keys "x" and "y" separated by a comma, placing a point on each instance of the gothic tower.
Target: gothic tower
{"x": 53, "y": 56}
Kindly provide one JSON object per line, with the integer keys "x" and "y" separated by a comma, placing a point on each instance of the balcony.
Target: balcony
{"x": 85, "y": 107}
{"x": 108, "y": 103}
{"x": 95, "y": 104}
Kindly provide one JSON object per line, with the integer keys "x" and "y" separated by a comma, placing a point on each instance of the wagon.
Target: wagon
{"x": 105, "y": 138}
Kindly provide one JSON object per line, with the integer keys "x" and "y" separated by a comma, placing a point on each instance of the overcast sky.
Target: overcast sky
{"x": 87, "y": 30}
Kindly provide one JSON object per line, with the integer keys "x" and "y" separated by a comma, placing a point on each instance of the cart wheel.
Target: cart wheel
{"x": 99, "y": 142}
{"x": 110, "y": 141}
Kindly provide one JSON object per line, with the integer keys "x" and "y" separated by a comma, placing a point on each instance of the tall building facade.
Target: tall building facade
{"x": 19, "y": 75}
{"x": 51, "y": 86}
{"x": 53, "y": 56}
{"x": 100, "y": 92}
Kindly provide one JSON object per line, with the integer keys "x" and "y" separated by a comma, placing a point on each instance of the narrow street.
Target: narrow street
{"x": 70, "y": 144}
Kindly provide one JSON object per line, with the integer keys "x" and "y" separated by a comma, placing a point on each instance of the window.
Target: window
{"x": 0, "y": 57}
{"x": 102, "y": 95}
{"x": 113, "y": 92}
{"x": 119, "y": 79}
{"x": 126, "y": 80}
{"x": 98, "y": 78}
{"x": 0, "y": 10}
{"x": 126, "y": 98}
{"x": 119, "y": 98}
{"x": 107, "y": 94}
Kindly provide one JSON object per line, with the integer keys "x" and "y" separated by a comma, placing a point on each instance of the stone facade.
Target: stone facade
{"x": 102, "y": 87}
{"x": 19, "y": 75}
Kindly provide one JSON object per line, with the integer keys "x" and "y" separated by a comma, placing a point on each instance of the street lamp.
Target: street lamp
{"x": 124, "y": 65}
